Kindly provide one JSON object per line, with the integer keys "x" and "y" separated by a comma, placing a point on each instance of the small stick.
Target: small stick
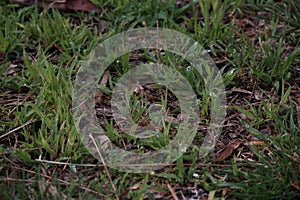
{"x": 172, "y": 191}
{"x": 105, "y": 167}
{"x": 17, "y": 128}
{"x": 131, "y": 165}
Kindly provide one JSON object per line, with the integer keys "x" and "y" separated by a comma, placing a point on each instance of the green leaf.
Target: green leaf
{"x": 23, "y": 155}
{"x": 255, "y": 132}
{"x": 263, "y": 76}
{"x": 248, "y": 114}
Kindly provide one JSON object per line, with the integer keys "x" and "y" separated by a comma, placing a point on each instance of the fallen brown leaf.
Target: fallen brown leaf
{"x": 257, "y": 143}
{"x": 295, "y": 185}
{"x": 228, "y": 151}
{"x": 83, "y": 5}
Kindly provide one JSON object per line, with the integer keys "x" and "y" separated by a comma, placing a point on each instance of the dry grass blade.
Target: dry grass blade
{"x": 17, "y": 128}
{"x": 105, "y": 167}
{"x": 172, "y": 191}
{"x": 298, "y": 113}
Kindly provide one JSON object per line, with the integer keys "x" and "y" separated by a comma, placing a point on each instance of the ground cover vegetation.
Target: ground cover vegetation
{"x": 255, "y": 45}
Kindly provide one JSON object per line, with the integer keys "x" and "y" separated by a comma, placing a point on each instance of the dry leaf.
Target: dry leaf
{"x": 83, "y": 5}
{"x": 228, "y": 151}
{"x": 240, "y": 90}
{"x": 295, "y": 185}
{"x": 257, "y": 143}
{"x": 12, "y": 69}
{"x": 258, "y": 95}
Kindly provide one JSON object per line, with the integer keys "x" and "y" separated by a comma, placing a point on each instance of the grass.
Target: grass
{"x": 255, "y": 45}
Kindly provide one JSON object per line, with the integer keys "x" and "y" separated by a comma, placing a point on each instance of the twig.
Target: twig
{"x": 105, "y": 166}
{"x": 17, "y": 128}
{"x": 65, "y": 163}
{"x": 130, "y": 165}
{"x": 172, "y": 191}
